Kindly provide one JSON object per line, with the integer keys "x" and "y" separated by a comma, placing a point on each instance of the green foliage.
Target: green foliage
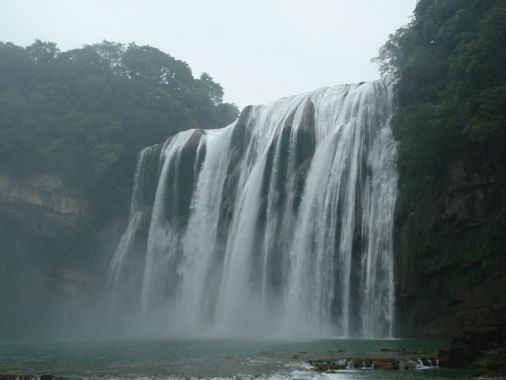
{"x": 449, "y": 63}
{"x": 451, "y": 89}
{"x": 85, "y": 113}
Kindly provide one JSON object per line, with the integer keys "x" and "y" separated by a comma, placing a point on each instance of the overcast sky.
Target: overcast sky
{"x": 258, "y": 50}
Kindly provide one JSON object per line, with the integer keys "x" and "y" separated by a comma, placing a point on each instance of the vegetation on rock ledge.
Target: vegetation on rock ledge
{"x": 79, "y": 118}
{"x": 451, "y": 125}
{"x": 85, "y": 113}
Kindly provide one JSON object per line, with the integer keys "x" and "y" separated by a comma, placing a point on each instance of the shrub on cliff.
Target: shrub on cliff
{"x": 85, "y": 113}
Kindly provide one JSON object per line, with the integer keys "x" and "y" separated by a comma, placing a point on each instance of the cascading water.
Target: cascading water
{"x": 280, "y": 223}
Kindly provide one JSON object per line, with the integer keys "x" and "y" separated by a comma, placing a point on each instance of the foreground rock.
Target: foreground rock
{"x": 481, "y": 349}
{"x": 378, "y": 360}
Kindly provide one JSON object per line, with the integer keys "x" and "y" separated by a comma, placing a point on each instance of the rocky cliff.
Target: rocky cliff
{"x": 44, "y": 229}
{"x": 41, "y": 202}
{"x": 450, "y": 246}
{"x": 451, "y": 129}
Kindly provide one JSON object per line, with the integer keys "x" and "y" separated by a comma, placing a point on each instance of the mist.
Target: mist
{"x": 226, "y": 189}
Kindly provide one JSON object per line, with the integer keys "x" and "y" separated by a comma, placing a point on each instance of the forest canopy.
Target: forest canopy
{"x": 450, "y": 123}
{"x": 85, "y": 113}
{"x": 452, "y": 84}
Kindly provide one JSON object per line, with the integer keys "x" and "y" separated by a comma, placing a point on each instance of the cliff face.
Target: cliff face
{"x": 471, "y": 198}
{"x": 42, "y": 203}
{"x": 43, "y": 230}
{"x": 450, "y": 125}
{"x": 451, "y": 256}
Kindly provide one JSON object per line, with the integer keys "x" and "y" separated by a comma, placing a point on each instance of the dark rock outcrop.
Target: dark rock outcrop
{"x": 482, "y": 349}
{"x": 185, "y": 176}
{"x": 450, "y": 250}
{"x": 42, "y": 202}
{"x": 44, "y": 234}
{"x": 373, "y": 361}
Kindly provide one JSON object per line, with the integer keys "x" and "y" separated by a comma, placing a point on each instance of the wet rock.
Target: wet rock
{"x": 482, "y": 338}
{"x": 308, "y": 119}
{"x": 457, "y": 357}
{"x": 480, "y": 348}
{"x": 46, "y": 191}
{"x": 386, "y": 364}
{"x": 241, "y": 133}
{"x": 328, "y": 365}
{"x": 306, "y": 139}
{"x": 375, "y": 361}
{"x": 463, "y": 262}
{"x": 408, "y": 364}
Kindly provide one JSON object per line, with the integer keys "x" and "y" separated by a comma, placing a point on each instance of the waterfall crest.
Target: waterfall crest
{"x": 278, "y": 224}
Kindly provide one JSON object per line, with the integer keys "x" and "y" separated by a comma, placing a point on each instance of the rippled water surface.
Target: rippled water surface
{"x": 208, "y": 359}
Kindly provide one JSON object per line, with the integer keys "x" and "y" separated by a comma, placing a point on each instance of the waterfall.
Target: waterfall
{"x": 278, "y": 224}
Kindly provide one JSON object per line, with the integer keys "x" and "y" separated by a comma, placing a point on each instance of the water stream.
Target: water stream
{"x": 279, "y": 224}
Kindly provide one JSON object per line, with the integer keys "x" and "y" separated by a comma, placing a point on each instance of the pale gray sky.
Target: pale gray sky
{"x": 258, "y": 50}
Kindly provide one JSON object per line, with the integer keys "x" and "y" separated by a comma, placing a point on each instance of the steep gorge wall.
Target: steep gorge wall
{"x": 42, "y": 202}
{"x": 451, "y": 262}
{"x": 44, "y": 236}
{"x": 450, "y": 125}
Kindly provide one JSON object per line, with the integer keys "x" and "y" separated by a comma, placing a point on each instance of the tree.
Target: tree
{"x": 85, "y": 113}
